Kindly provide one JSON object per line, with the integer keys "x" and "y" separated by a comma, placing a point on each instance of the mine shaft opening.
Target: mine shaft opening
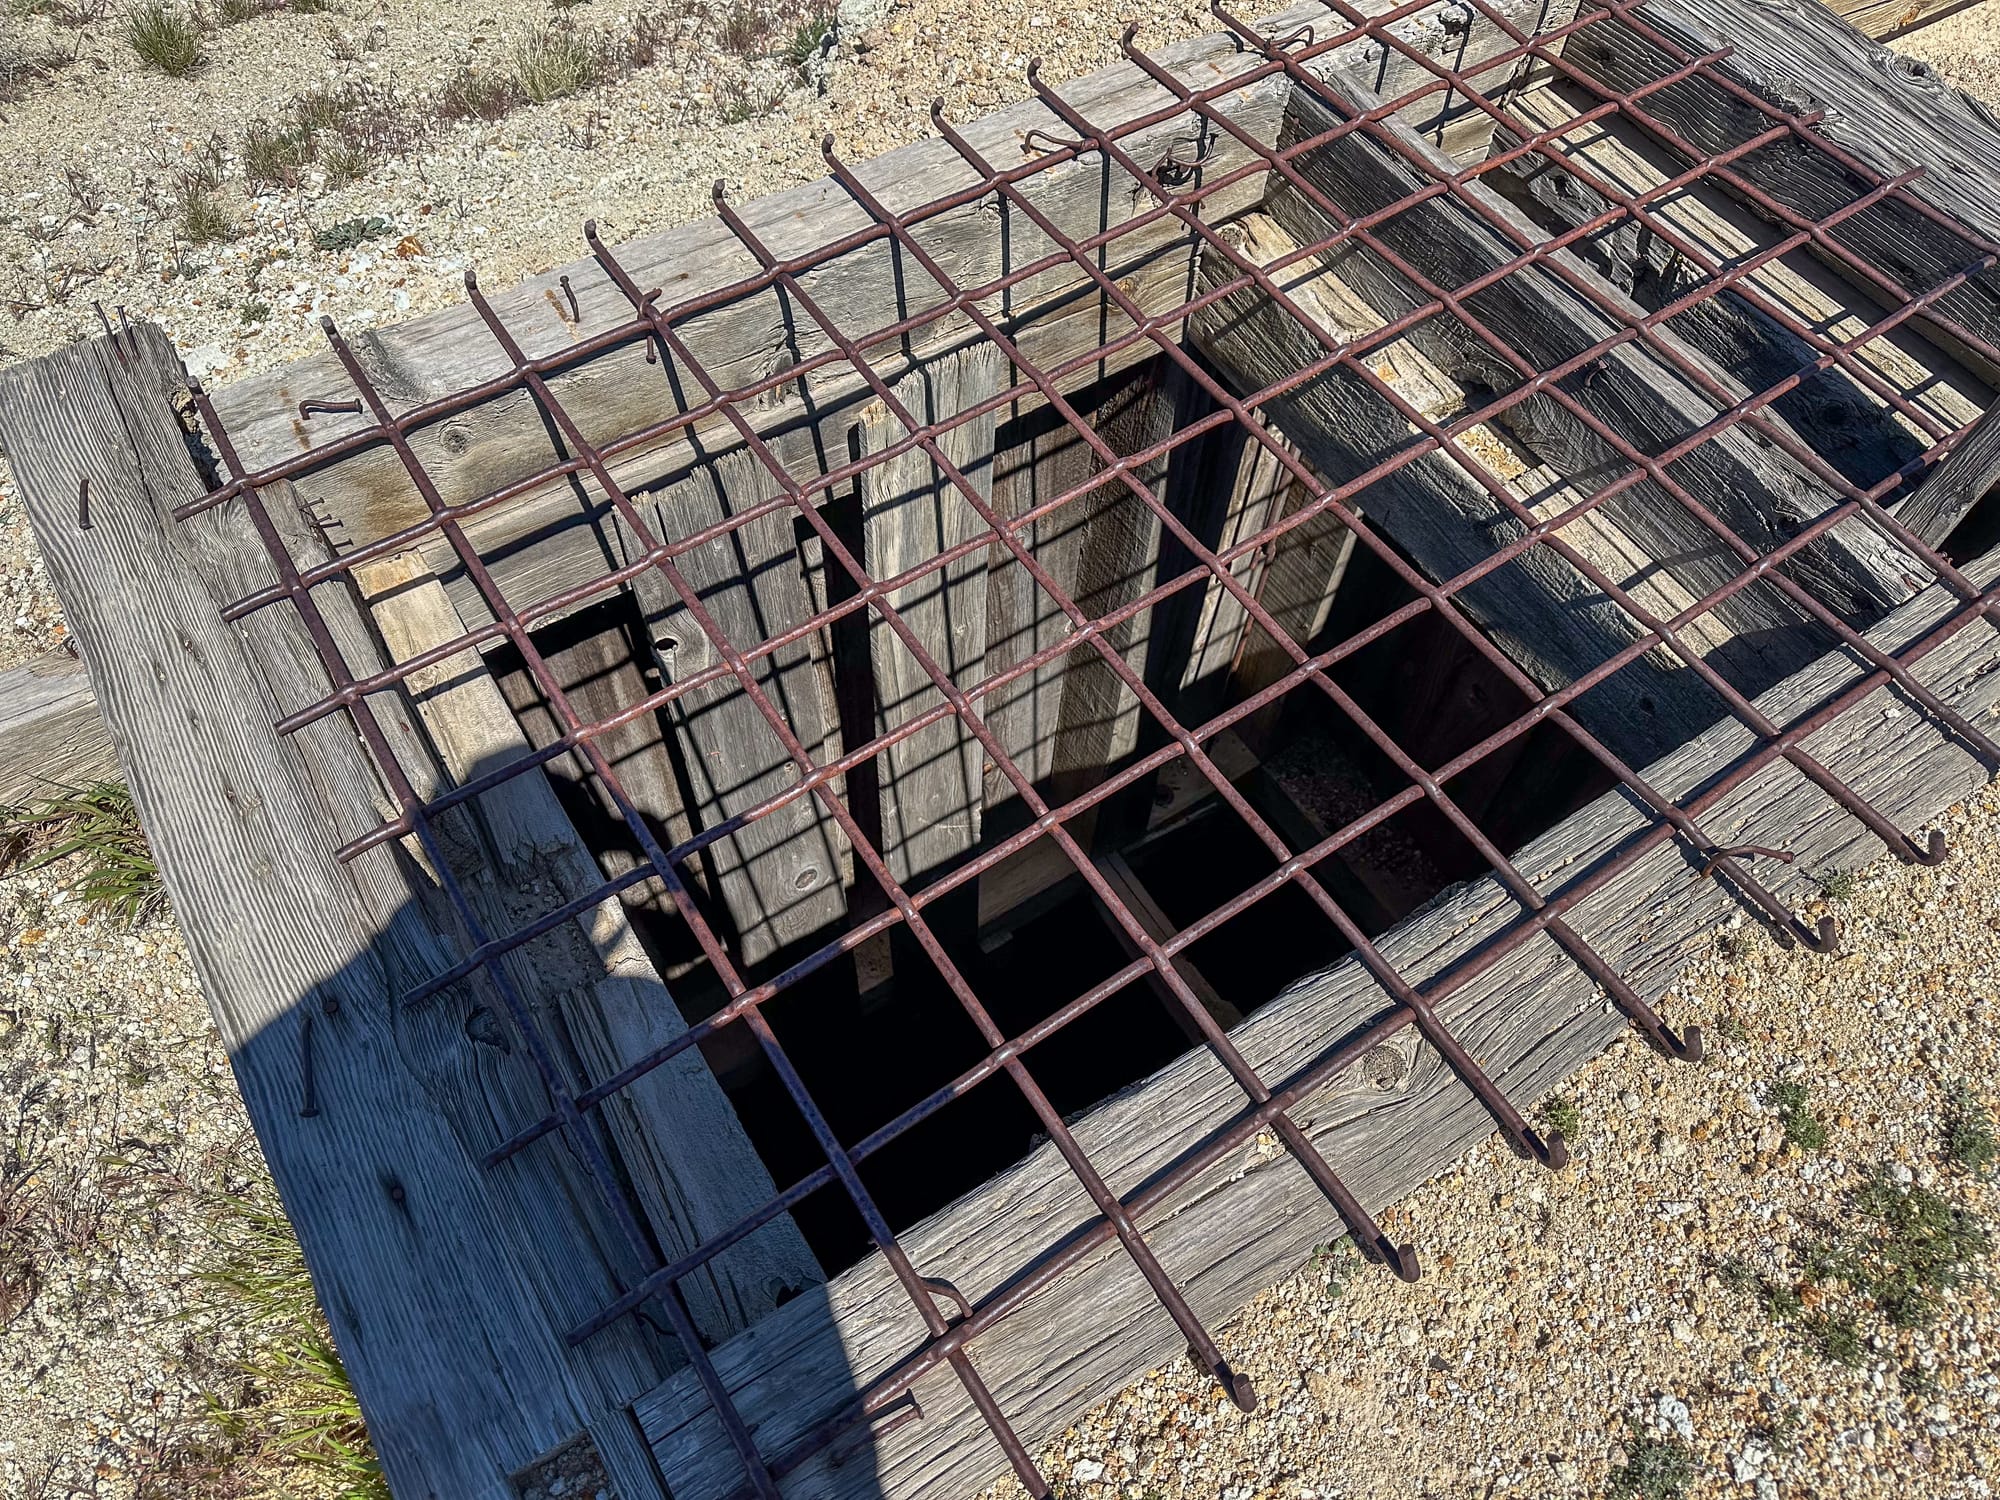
{"x": 874, "y": 1031}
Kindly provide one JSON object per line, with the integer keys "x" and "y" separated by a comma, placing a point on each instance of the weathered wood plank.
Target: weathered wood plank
{"x": 1891, "y": 112}
{"x": 51, "y": 734}
{"x": 932, "y": 785}
{"x": 691, "y": 1167}
{"x": 600, "y": 661}
{"x": 1159, "y": 927}
{"x": 449, "y": 1288}
{"x": 1387, "y": 1124}
{"x": 1544, "y": 614}
{"x": 1833, "y": 414}
{"x": 778, "y": 878}
{"x": 1253, "y": 483}
{"x": 1118, "y": 542}
{"x": 1758, "y": 491}
{"x": 1886, "y": 19}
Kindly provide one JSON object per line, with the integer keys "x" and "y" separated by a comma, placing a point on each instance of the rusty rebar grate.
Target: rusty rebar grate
{"x": 1178, "y": 188}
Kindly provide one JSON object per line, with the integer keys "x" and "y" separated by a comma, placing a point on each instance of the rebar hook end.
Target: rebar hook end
{"x": 1403, "y": 1260}
{"x": 1551, "y": 1149}
{"x": 1687, "y": 1047}
{"x": 1241, "y": 1391}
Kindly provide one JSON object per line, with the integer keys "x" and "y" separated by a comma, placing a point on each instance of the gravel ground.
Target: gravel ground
{"x": 119, "y": 1125}
{"x": 1569, "y": 1327}
{"x": 1965, "y": 48}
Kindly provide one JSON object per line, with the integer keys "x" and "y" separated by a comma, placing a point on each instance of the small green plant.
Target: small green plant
{"x": 1837, "y": 1337}
{"x": 166, "y": 36}
{"x": 737, "y": 102}
{"x": 345, "y": 163}
{"x": 23, "y": 64}
{"x": 236, "y": 12}
{"x": 1916, "y": 1246}
{"x": 1916, "y": 1381}
{"x": 1970, "y": 1143}
{"x": 319, "y": 110}
{"x": 477, "y": 94}
{"x": 253, "y": 312}
{"x": 273, "y": 156}
{"x": 1729, "y": 1026}
{"x": 1921, "y": 1246}
{"x": 807, "y": 38}
{"x": 1655, "y": 1468}
{"x": 1839, "y": 885}
{"x": 349, "y": 233}
{"x": 1803, "y": 1128}
{"x": 1336, "y": 1263}
{"x": 1563, "y": 1114}
{"x": 1738, "y": 945}
{"x": 100, "y": 827}
{"x": 553, "y": 62}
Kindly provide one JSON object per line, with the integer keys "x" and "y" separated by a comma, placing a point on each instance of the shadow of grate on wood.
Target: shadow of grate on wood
{"x": 990, "y": 647}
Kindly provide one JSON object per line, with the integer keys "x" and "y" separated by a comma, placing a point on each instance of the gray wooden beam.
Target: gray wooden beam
{"x": 1891, "y": 112}
{"x": 779, "y": 877}
{"x": 692, "y": 1171}
{"x": 449, "y": 1288}
{"x": 932, "y": 783}
{"x": 1964, "y": 479}
{"x": 874, "y": 286}
{"x": 51, "y": 734}
{"x": 1538, "y": 609}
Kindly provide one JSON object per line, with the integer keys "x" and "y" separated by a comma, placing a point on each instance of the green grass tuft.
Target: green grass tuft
{"x": 203, "y": 220}
{"x": 477, "y": 94}
{"x": 806, "y": 40}
{"x": 1655, "y": 1468}
{"x": 1971, "y": 1143}
{"x": 1565, "y": 1116}
{"x": 98, "y": 826}
{"x": 553, "y": 62}
{"x": 1803, "y": 1128}
{"x": 166, "y": 36}
{"x": 1839, "y": 885}
{"x": 304, "y": 1415}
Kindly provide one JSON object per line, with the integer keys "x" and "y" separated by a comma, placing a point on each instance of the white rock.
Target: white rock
{"x": 1673, "y": 1412}
{"x": 1084, "y": 1470}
